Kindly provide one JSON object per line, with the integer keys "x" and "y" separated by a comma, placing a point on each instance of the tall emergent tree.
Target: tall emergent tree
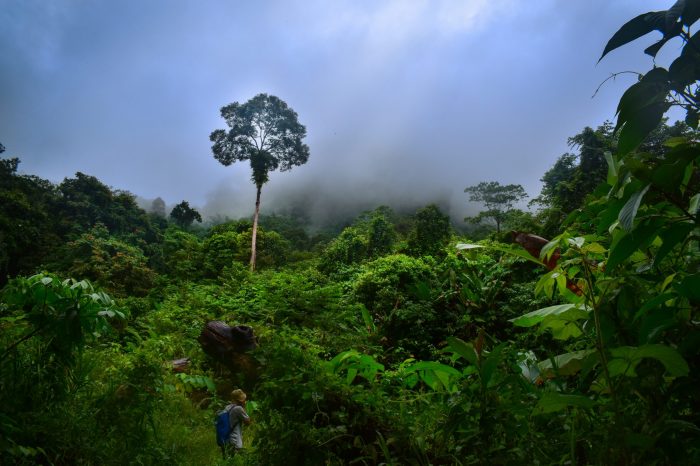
{"x": 266, "y": 132}
{"x": 498, "y": 200}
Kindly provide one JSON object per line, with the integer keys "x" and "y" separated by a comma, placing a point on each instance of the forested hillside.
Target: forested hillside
{"x": 566, "y": 333}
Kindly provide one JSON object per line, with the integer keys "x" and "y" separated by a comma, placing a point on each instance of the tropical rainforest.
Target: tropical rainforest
{"x": 566, "y": 333}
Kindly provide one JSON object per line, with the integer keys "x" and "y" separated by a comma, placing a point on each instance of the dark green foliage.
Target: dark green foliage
{"x": 219, "y": 251}
{"x": 182, "y": 254}
{"x": 46, "y": 323}
{"x": 183, "y": 215}
{"x": 430, "y": 233}
{"x": 36, "y": 217}
{"x": 381, "y": 235}
{"x": 290, "y": 228}
{"x": 396, "y": 291}
{"x": 28, "y": 226}
{"x": 120, "y": 268}
{"x": 264, "y": 131}
{"x": 348, "y": 248}
{"x": 158, "y": 207}
{"x": 372, "y": 235}
{"x": 311, "y": 416}
{"x": 85, "y": 201}
{"x": 272, "y": 249}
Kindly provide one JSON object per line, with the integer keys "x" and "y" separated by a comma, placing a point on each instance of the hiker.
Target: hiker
{"x": 237, "y": 417}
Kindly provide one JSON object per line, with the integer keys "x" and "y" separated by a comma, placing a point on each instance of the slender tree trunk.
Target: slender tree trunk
{"x": 255, "y": 229}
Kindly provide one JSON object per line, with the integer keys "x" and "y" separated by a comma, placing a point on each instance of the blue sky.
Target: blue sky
{"x": 405, "y": 101}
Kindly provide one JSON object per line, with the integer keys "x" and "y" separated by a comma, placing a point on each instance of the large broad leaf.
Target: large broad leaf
{"x": 463, "y": 349}
{"x": 672, "y": 31}
{"x": 493, "y": 359}
{"x": 672, "y": 236}
{"x": 553, "y": 402}
{"x": 609, "y": 216}
{"x": 566, "y": 364}
{"x": 625, "y": 359}
{"x": 631, "y": 30}
{"x": 641, "y": 108}
{"x": 691, "y": 12}
{"x": 629, "y": 210}
{"x": 630, "y": 242}
{"x": 670, "y": 173}
{"x": 638, "y": 127}
{"x": 561, "y": 311}
{"x": 653, "y": 303}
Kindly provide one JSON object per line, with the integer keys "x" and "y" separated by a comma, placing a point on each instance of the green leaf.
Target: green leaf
{"x": 638, "y": 127}
{"x": 694, "y": 204}
{"x": 613, "y": 168}
{"x": 367, "y": 318}
{"x": 566, "y": 364}
{"x": 631, "y": 30}
{"x": 625, "y": 359}
{"x": 463, "y": 349}
{"x": 210, "y": 384}
{"x": 434, "y": 374}
{"x": 561, "y": 310}
{"x": 629, "y": 243}
{"x": 690, "y": 287}
{"x": 493, "y": 359}
{"x": 553, "y": 402}
{"x": 629, "y": 210}
{"x": 670, "y": 237}
{"x": 433, "y": 366}
{"x": 653, "y": 303}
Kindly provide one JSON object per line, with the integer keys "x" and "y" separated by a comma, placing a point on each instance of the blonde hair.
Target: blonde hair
{"x": 238, "y": 395}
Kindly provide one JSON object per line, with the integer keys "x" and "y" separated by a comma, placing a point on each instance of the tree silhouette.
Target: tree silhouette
{"x": 266, "y": 132}
{"x": 184, "y": 215}
{"x": 498, "y": 200}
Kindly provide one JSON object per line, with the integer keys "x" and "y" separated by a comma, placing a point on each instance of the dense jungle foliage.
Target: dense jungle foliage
{"x": 393, "y": 341}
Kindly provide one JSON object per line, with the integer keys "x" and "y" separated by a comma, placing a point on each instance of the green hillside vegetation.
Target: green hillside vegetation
{"x": 394, "y": 341}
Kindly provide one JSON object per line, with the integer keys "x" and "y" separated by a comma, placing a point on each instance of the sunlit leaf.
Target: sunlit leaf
{"x": 561, "y": 310}
{"x": 694, "y": 204}
{"x": 553, "y": 402}
{"x": 566, "y": 364}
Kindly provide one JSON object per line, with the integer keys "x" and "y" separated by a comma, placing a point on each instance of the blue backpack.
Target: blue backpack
{"x": 223, "y": 426}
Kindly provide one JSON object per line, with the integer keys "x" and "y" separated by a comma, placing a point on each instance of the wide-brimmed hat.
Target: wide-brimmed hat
{"x": 238, "y": 395}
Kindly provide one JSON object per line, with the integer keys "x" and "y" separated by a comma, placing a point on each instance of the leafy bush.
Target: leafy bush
{"x": 115, "y": 265}
{"x": 430, "y": 233}
{"x": 308, "y": 415}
